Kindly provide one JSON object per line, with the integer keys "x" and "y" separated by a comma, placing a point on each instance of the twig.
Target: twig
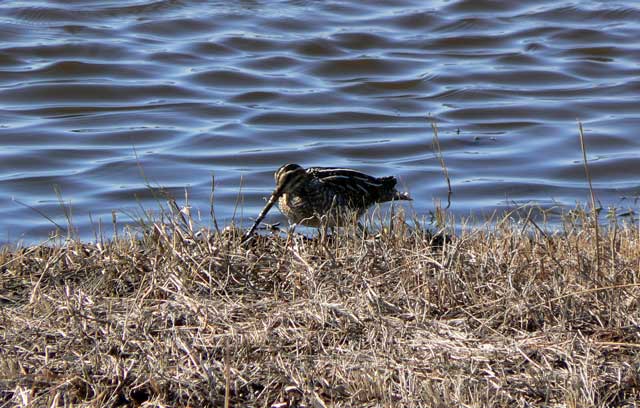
{"x": 66, "y": 210}
{"x": 592, "y": 290}
{"x": 227, "y": 376}
{"x": 15, "y": 200}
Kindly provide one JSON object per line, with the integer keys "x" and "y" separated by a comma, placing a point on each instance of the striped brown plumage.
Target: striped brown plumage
{"x": 326, "y": 196}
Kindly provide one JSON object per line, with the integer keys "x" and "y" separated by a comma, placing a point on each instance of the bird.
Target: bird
{"x": 326, "y": 196}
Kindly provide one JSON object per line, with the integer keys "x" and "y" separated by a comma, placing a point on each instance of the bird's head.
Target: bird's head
{"x": 288, "y": 178}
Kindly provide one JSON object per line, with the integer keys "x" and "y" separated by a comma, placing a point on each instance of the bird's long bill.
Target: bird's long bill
{"x": 272, "y": 200}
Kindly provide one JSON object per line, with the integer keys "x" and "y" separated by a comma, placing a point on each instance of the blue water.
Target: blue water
{"x": 99, "y": 99}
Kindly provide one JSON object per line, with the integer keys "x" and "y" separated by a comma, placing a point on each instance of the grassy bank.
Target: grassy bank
{"x": 502, "y": 315}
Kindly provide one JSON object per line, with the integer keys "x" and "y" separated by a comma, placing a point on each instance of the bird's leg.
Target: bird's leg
{"x": 292, "y": 229}
{"x": 325, "y": 232}
{"x": 363, "y": 230}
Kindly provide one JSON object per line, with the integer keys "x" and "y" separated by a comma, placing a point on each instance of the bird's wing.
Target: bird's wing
{"x": 348, "y": 181}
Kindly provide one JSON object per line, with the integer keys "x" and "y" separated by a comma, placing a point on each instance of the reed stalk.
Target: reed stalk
{"x": 438, "y": 151}
{"x": 594, "y": 209}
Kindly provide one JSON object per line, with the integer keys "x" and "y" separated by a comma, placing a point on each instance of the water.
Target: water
{"x": 98, "y": 98}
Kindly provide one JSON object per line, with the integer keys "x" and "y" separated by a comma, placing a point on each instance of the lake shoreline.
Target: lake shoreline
{"x": 501, "y": 315}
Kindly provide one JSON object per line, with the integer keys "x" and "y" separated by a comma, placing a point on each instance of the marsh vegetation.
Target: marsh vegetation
{"x": 505, "y": 314}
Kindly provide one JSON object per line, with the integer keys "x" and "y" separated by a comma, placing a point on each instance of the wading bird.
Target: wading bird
{"x": 325, "y": 196}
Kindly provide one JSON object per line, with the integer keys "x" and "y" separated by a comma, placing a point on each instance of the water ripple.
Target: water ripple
{"x": 100, "y": 97}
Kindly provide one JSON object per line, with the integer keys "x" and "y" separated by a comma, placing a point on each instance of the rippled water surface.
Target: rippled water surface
{"x": 97, "y": 95}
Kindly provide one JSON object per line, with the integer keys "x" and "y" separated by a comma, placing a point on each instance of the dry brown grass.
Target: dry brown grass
{"x": 502, "y": 315}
